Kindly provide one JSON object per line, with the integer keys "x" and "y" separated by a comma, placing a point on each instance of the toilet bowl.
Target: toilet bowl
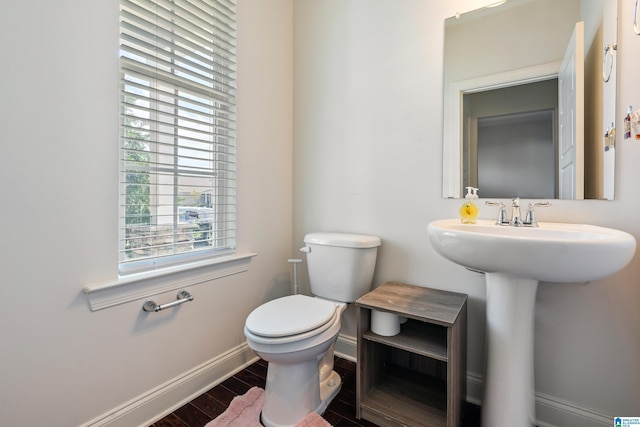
{"x": 296, "y": 334}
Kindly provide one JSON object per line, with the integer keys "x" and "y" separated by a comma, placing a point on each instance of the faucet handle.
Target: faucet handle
{"x": 545, "y": 203}
{"x": 502, "y": 211}
{"x": 530, "y": 219}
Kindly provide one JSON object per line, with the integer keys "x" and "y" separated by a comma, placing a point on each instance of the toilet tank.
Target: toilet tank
{"x": 340, "y": 265}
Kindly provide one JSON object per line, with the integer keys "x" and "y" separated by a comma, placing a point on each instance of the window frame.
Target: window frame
{"x": 223, "y": 218}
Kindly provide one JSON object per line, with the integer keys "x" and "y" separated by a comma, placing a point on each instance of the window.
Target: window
{"x": 177, "y": 141}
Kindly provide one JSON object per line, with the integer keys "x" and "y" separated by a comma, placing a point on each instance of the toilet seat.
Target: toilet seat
{"x": 290, "y": 318}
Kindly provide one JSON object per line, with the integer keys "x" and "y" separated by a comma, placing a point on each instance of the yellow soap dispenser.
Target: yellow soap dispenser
{"x": 469, "y": 210}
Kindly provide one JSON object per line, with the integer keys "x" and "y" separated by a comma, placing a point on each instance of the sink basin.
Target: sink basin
{"x": 514, "y": 260}
{"x": 553, "y": 252}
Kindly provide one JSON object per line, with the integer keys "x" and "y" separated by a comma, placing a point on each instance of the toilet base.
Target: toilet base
{"x": 328, "y": 390}
{"x": 287, "y": 407}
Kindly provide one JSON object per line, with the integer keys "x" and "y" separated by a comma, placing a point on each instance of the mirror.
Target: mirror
{"x": 529, "y": 100}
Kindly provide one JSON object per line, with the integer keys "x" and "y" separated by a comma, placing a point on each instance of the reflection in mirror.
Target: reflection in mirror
{"x": 492, "y": 121}
{"x": 526, "y": 106}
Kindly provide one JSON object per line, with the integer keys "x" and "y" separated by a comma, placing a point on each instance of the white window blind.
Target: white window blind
{"x": 177, "y": 145}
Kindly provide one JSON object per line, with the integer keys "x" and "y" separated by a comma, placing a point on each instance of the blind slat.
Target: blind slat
{"x": 143, "y": 41}
{"x": 186, "y": 115}
{"x": 167, "y": 18}
{"x": 136, "y": 89}
{"x": 223, "y": 140}
{"x": 141, "y": 78}
{"x": 150, "y": 36}
{"x": 187, "y": 80}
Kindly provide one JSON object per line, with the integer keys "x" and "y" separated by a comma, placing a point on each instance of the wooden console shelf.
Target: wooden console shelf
{"x": 417, "y": 377}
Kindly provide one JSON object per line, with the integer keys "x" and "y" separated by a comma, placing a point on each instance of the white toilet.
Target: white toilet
{"x": 296, "y": 334}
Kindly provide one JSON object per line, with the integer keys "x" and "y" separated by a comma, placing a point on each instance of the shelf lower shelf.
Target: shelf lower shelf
{"x": 403, "y": 397}
{"x": 417, "y": 337}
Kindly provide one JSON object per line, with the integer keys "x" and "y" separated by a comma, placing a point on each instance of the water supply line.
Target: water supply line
{"x": 295, "y": 262}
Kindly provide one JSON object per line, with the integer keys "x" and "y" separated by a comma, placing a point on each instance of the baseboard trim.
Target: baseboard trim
{"x": 347, "y": 348}
{"x": 474, "y": 388}
{"x": 552, "y": 412}
{"x": 144, "y": 409}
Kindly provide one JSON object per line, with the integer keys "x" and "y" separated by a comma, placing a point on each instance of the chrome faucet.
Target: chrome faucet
{"x": 530, "y": 219}
{"x": 502, "y": 212}
{"x": 516, "y": 220}
{"x": 515, "y": 213}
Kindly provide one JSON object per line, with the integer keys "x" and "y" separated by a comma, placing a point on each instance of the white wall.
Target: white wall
{"x": 60, "y": 363}
{"x": 367, "y": 158}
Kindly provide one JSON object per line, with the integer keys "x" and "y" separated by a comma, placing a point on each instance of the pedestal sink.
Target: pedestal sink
{"x": 514, "y": 260}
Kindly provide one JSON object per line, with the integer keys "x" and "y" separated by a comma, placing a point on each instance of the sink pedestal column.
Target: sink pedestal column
{"x": 509, "y": 391}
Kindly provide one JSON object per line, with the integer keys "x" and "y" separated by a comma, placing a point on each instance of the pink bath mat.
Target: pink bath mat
{"x": 244, "y": 411}
{"x": 313, "y": 420}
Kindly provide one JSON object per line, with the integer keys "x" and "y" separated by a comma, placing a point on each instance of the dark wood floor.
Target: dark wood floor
{"x": 340, "y": 413}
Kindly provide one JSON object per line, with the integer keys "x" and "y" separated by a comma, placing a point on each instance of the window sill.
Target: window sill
{"x": 143, "y": 285}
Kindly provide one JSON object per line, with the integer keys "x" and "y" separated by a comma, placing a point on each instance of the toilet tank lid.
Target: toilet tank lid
{"x": 346, "y": 240}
